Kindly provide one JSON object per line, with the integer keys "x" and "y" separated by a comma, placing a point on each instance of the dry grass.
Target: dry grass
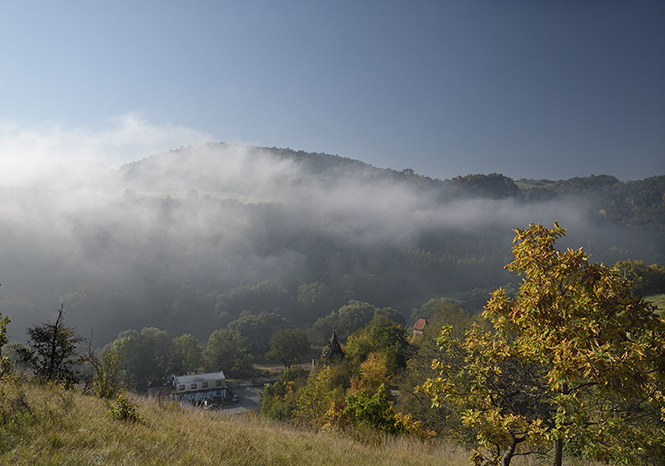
{"x": 658, "y": 300}
{"x": 51, "y": 426}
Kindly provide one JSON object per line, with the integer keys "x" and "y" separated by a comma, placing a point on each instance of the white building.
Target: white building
{"x": 200, "y": 387}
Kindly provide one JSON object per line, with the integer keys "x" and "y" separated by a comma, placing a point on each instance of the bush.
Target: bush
{"x": 123, "y": 410}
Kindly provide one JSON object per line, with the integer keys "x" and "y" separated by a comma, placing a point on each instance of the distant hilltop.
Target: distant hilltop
{"x": 190, "y": 239}
{"x": 247, "y": 169}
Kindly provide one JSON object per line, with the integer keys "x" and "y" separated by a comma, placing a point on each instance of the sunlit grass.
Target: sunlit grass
{"x": 48, "y": 425}
{"x": 658, "y": 300}
{"x": 51, "y": 426}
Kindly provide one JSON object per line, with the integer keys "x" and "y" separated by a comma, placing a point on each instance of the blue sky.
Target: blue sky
{"x": 528, "y": 89}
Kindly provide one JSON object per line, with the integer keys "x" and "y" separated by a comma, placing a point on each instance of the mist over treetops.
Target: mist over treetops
{"x": 189, "y": 239}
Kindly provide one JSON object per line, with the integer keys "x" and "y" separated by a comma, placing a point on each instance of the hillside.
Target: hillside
{"x": 188, "y": 240}
{"x": 49, "y": 426}
{"x": 638, "y": 204}
{"x": 217, "y": 257}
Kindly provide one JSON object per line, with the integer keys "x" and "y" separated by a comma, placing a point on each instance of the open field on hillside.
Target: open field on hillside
{"x": 53, "y": 426}
{"x": 658, "y": 300}
{"x": 275, "y": 367}
{"x": 57, "y": 427}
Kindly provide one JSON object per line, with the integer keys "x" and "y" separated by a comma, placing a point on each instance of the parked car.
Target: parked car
{"x": 235, "y": 399}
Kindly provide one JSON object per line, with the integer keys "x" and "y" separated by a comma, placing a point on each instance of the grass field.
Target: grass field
{"x": 53, "y": 426}
{"x": 48, "y": 425}
{"x": 658, "y": 300}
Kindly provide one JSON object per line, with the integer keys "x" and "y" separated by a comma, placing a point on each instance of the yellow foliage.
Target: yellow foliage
{"x": 414, "y": 428}
{"x": 575, "y": 334}
{"x": 374, "y": 371}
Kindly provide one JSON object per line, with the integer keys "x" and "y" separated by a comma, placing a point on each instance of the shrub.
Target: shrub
{"x": 123, "y": 410}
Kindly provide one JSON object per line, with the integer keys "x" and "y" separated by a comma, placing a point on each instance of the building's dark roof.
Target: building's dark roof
{"x": 333, "y": 350}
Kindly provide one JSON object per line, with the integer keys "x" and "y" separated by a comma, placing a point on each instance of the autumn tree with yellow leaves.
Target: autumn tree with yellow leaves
{"x": 574, "y": 362}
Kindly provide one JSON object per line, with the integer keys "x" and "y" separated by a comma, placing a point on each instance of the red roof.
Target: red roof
{"x": 420, "y": 324}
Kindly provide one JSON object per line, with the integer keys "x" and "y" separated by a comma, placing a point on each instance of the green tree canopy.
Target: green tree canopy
{"x": 186, "y": 356}
{"x": 288, "y": 345}
{"x": 314, "y": 296}
{"x": 645, "y": 279}
{"x": 351, "y": 317}
{"x": 227, "y": 351}
{"x": 139, "y": 364}
{"x": 52, "y": 350}
{"x": 257, "y": 329}
{"x": 280, "y": 399}
{"x": 148, "y": 358}
{"x": 443, "y": 310}
{"x": 383, "y": 337}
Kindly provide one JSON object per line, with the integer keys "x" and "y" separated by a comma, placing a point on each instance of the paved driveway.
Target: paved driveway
{"x": 249, "y": 399}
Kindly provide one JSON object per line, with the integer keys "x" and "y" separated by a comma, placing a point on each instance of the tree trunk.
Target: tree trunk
{"x": 558, "y": 443}
{"x": 53, "y": 360}
{"x": 509, "y": 453}
{"x": 558, "y": 452}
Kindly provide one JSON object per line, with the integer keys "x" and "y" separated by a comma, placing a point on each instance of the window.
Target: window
{"x": 218, "y": 383}
{"x": 181, "y": 387}
{"x": 193, "y": 386}
{"x": 205, "y": 384}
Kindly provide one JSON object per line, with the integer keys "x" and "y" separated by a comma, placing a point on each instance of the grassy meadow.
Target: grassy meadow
{"x": 48, "y": 425}
{"x": 54, "y": 426}
{"x": 658, "y": 300}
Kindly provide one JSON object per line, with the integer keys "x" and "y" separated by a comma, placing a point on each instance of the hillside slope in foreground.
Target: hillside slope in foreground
{"x": 53, "y": 426}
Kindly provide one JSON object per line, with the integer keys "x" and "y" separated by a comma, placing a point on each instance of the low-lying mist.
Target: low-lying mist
{"x": 164, "y": 240}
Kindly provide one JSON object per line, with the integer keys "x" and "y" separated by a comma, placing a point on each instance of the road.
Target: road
{"x": 249, "y": 399}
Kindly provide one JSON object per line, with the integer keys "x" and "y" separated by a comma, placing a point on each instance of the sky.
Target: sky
{"x": 528, "y": 89}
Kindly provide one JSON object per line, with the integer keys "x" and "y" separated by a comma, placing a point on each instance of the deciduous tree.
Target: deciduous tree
{"x": 383, "y": 337}
{"x": 288, "y": 346}
{"x": 257, "y": 329}
{"x": 187, "y": 355}
{"x": 280, "y": 399}
{"x": 576, "y": 357}
{"x": 227, "y": 351}
{"x": 52, "y": 350}
{"x": 139, "y": 365}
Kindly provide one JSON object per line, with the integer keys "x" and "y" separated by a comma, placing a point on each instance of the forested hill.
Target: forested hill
{"x": 191, "y": 239}
{"x": 639, "y": 204}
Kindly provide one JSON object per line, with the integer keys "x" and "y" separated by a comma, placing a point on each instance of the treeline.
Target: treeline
{"x": 194, "y": 265}
{"x": 148, "y": 357}
{"x": 570, "y": 361}
{"x": 116, "y": 276}
{"x": 638, "y": 204}
{"x": 569, "y": 366}
{"x": 189, "y": 240}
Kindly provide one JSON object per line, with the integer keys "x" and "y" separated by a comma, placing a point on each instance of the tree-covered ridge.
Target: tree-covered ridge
{"x": 568, "y": 363}
{"x": 638, "y": 204}
{"x": 188, "y": 240}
